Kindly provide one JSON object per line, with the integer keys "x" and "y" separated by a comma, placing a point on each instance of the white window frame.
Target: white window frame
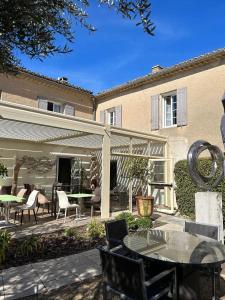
{"x": 171, "y": 94}
{"x": 109, "y": 112}
{"x": 54, "y": 104}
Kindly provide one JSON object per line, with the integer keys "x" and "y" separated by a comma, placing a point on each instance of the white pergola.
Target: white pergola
{"x": 27, "y": 124}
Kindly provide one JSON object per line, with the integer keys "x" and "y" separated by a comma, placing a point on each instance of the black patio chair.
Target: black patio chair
{"x": 211, "y": 231}
{"x": 125, "y": 277}
{"x": 116, "y": 230}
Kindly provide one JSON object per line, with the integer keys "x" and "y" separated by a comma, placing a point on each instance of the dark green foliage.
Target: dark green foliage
{"x": 34, "y": 26}
{"x": 30, "y": 245}
{"x": 186, "y": 188}
{"x": 95, "y": 229}
{"x": 5, "y": 239}
{"x": 69, "y": 231}
{"x": 130, "y": 219}
{"x": 133, "y": 222}
{"x": 143, "y": 223}
{"x": 3, "y": 170}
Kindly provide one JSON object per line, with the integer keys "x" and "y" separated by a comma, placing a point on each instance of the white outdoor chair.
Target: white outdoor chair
{"x": 30, "y": 204}
{"x": 65, "y": 204}
{"x": 21, "y": 194}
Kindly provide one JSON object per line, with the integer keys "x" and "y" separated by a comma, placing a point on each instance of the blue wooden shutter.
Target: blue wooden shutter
{"x": 155, "y": 112}
{"x": 42, "y": 103}
{"x": 118, "y": 116}
{"x": 102, "y": 116}
{"x": 182, "y": 106}
{"x": 69, "y": 110}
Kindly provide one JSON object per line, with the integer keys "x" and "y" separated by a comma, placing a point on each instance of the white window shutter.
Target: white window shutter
{"x": 102, "y": 116}
{"x": 182, "y": 106}
{"x": 69, "y": 110}
{"x": 42, "y": 103}
{"x": 155, "y": 112}
{"x": 118, "y": 116}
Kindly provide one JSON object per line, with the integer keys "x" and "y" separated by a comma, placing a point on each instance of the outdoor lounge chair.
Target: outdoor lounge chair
{"x": 29, "y": 205}
{"x": 65, "y": 204}
{"x": 125, "y": 277}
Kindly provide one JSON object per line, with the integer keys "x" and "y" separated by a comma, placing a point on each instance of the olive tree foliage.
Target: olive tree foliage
{"x": 32, "y": 26}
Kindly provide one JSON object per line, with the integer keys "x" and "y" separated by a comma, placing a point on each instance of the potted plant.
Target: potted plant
{"x": 141, "y": 170}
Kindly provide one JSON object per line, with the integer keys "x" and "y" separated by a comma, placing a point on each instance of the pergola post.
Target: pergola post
{"x": 131, "y": 181}
{"x": 105, "y": 187}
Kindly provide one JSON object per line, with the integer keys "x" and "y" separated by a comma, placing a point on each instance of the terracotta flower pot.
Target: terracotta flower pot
{"x": 145, "y": 205}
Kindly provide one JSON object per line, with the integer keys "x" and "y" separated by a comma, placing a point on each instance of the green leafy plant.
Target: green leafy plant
{"x": 128, "y": 217}
{"x": 3, "y": 170}
{"x": 186, "y": 188}
{"x": 5, "y": 240}
{"x": 139, "y": 168}
{"x": 30, "y": 245}
{"x": 143, "y": 223}
{"x": 71, "y": 232}
{"x": 133, "y": 222}
{"x": 95, "y": 229}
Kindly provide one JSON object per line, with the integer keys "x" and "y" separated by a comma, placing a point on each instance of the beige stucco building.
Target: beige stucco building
{"x": 34, "y": 90}
{"x": 172, "y": 106}
{"x": 182, "y": 102}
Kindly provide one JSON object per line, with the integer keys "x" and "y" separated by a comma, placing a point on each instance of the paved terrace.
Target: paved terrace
{"x": 47, "y": 276}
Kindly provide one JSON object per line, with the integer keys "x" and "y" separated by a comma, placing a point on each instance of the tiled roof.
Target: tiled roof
{"x": 165, "y": 72}
{"x": 65, "y": 84}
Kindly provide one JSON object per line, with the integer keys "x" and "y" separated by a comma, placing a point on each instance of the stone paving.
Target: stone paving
{"x": 47, "y": 276}
{"x": 43, "y": 277}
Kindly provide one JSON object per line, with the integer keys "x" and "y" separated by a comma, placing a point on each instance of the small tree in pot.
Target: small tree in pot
{"x": 141, "y": 170}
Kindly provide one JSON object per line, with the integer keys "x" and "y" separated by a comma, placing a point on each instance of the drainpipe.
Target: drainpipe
{"x": 94, "y": 108}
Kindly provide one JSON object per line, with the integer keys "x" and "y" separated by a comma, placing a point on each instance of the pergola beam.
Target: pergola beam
{"x": 64, "y": 137}
{"x": 150, "y": 157}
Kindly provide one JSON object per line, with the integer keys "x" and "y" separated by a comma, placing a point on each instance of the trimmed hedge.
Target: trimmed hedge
{"x": 186, "y": 188}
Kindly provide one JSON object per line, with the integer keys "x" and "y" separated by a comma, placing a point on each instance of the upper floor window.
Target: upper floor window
{"x": 170, "y": 110}
{"x": 54, "y": 107}
{"x": 174, "y": 109}
{"x": 111, "y": 117}
{"x": 65, "y": 108}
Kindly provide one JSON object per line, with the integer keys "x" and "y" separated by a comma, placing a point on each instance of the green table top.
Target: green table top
{"x": 9, "y": 198}
{"x": 80, "y": 195}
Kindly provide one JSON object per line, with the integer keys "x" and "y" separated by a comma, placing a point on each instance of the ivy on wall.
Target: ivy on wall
{"x": 186, "y": 188}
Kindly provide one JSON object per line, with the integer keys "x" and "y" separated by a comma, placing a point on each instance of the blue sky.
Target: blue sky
{"x": 119, "y": 51}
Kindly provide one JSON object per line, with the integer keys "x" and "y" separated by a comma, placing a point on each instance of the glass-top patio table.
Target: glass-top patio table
{"x": 6, "y": 199}
{"x": 184, "y": 250}
{"x": 80, "y": 197}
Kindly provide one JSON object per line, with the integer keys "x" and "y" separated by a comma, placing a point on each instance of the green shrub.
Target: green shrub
{"x": 30, "y": 245}
{"x": 143, "y": 223}
{"x": 95, "y": 229}
{"x": 71, "y": 231}
{"x": 130, "y": 219}
{"x": 186, "y": 188}
{"x": 133, "y": 222}
{"x": 5, "y": 239}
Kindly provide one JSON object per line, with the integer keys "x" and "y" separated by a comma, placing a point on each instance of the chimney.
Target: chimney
{"x": 156, "y": 69}
{"x": 63, "y": 79}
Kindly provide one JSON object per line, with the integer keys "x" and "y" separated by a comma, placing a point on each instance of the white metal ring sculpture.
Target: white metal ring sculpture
{"x": 217, "y": 166}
